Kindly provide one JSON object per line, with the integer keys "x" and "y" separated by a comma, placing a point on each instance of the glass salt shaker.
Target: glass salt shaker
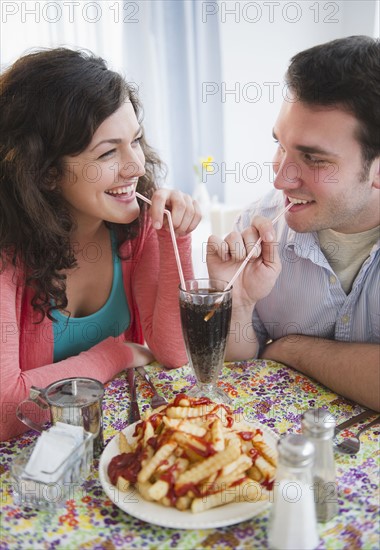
{"x": 293, "y": 522}
{"x": 318, "y": 426}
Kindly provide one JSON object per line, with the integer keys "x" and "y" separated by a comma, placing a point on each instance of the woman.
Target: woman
{"x": 87, "y": 272}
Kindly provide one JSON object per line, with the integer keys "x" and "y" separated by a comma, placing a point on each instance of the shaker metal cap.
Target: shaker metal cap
{"x": 318, "y": 422}
{"x": 77, "y": 392}
{"x": 295, "y": 450}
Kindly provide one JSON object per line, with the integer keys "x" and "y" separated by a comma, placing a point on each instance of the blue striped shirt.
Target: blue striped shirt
{"x": 308, "y": 298}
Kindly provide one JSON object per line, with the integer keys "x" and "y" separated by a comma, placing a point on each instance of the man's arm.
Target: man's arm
{"x": 242, "y": 342}
{"x": 349, "y": 369}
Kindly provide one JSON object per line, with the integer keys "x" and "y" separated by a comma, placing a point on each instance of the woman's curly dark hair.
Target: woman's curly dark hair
{"x": 51, "y": 103}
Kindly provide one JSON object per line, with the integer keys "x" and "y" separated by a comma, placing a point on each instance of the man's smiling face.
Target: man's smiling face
{"x": 319, "y": 167}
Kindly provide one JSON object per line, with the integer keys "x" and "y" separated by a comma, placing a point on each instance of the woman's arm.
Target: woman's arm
{"x": 26, "y": 357}
{"x": 155, "y": 286}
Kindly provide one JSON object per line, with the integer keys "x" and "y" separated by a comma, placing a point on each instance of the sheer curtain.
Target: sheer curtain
{"x": 171, "y": 54}
{"x": 161, "y": 45}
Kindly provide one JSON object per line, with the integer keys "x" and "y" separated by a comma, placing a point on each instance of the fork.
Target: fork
{"x": 157, "y": 399}
{"x": 353, "y": 420}
{"x": 351, "y": 445}
{"x": 134, "y": 412}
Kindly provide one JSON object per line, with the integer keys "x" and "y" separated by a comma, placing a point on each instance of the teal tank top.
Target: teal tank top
{"x": 72, "y": 335}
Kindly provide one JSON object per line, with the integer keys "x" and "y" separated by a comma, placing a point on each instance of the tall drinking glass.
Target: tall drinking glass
{"x": 205, "y": 318}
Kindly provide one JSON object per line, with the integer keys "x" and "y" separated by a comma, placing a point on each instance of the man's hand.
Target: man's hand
{"x": 224, "y": 258}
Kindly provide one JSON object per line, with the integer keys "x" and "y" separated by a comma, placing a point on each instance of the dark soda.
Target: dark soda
{"x": 206, "y": 340}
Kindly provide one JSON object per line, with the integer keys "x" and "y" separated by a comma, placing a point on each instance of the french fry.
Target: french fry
{"x": 143, "y": 489}
{"x": 159, "y": 489}
{"x": 158, "y": 410}
{"x": 239, "y": 425}
{"x": 211, "y": 501}
{"x": 122, "y": 483}
{"x": 217, "y": 436}
{"x": 189, "y": 442}
{"x": 267, "y": 452}
{"x": 191, "y": 455}
{"x": 185, "y": 402}
{"x": 227, "y": 480}
{"x": 196, "y": 455}
{"x": 148, "y": 432}
{"x": 267, "y": 470}
{"x": 203, "y": 421}
{"x": 241, "y": 464}
{"x": 184, "y": 426}
{"x": 148, "y": 455}
{"x": 247, "y": 492}
{"x": 165, "y": 465}
{"x": 189, "y": 412}
{"x": 165, "y": 501}
{"x": 258, "y": 437}
{"x": 183, "y": 503}
{"x": 215, "y": 462}
{"x": 124, "y": 446}
{"x": 162, "y": 454}
{"x": 253, "y": 491}
{"x": 212, "y": 478}
{"x": 181, "y": 465}
{"x": 255, "y": 474}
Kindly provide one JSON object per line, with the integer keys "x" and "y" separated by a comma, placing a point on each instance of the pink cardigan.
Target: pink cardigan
{"x": 151, "y": 282}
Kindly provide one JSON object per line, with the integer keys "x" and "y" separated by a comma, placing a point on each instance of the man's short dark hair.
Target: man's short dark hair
{"x": 343, "y": 73}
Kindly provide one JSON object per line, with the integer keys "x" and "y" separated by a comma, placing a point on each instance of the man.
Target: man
{"x": 311, "y": 298}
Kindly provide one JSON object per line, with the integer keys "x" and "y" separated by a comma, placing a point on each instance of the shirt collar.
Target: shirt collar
{"x": 303, "y": 244}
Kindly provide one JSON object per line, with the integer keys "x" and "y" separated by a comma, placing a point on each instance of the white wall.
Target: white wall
{"x": 257, "y": 41}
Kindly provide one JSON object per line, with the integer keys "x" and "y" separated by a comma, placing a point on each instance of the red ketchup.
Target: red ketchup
{"x": 267, "y": 484}
{"x": 246, "y": 436}
{"x": 253, "y": 453}
{"x": 126, "y": 465}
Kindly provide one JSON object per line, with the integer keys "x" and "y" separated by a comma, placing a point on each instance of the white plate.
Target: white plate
{"x": 132, "y": 502}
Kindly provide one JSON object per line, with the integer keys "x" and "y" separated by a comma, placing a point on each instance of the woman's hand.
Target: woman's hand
{"x": 141, "y": 355}
{"x": 260, "y": 274}
{"x": 185, "y": 212}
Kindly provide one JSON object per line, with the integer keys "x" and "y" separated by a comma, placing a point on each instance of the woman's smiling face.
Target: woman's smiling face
{"x": 100, "y": 182}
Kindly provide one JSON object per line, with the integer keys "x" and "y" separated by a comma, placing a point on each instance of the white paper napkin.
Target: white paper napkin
{"x": 53, "y": 455}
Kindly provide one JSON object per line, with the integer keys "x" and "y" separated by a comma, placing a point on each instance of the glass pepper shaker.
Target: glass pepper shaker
{"x": 293, "y": 522}
{"x": 318, "y": 426}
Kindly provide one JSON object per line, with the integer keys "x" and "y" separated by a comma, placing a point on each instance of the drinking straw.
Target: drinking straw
{"x": 174, "y": 241}
{"x": 254, "y": 248}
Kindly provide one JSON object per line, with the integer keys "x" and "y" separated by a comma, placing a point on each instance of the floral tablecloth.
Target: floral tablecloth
{"x": 274, "y": 395}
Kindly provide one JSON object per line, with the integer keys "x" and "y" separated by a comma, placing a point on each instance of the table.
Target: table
{"x": 273, "y": 394}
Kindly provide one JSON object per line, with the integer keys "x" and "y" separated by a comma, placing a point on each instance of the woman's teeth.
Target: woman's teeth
{"x": 121, "y": 190}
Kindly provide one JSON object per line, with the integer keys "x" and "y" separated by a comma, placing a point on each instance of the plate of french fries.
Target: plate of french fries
{"x": 191, "y": 464}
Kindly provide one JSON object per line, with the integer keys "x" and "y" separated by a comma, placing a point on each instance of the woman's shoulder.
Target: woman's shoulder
{"x": 11, "y": 270}
{"x": 12, "y": 277}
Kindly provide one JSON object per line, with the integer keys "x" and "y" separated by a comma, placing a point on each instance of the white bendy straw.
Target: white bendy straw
{"x": 252, "y": 251}
{"x": 176, "y": 253}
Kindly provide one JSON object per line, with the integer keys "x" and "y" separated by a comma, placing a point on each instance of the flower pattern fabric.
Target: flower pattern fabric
{"x": 265, "y": 391}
